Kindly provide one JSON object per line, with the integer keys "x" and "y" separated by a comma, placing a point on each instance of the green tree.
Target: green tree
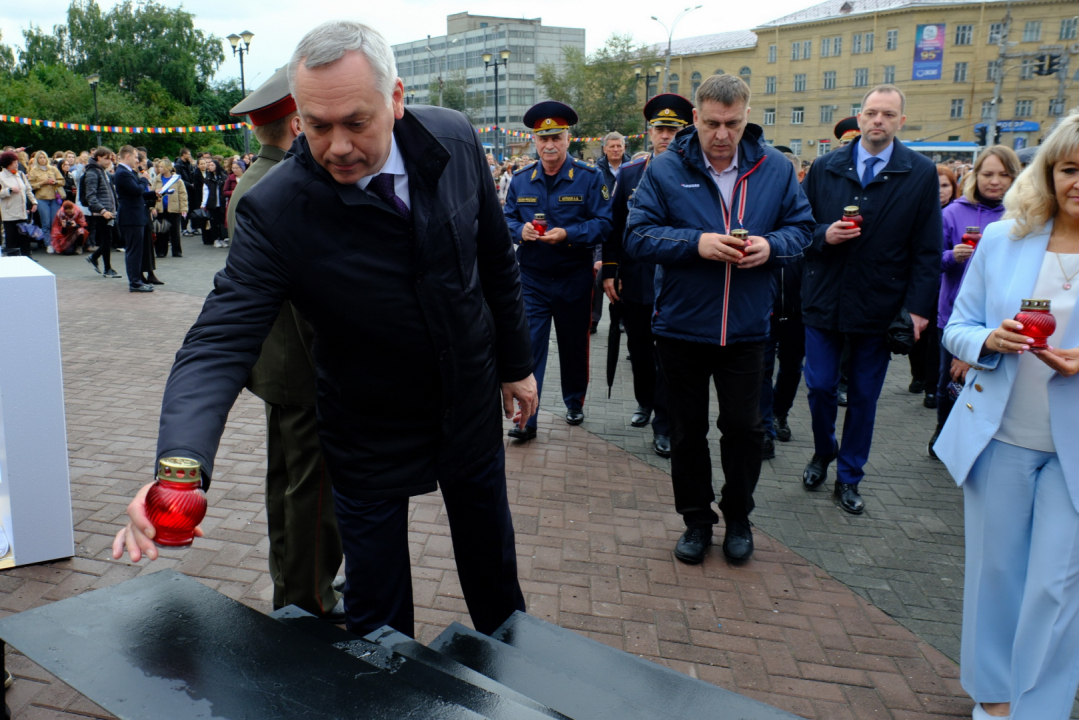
{"x": 457, "y": 96}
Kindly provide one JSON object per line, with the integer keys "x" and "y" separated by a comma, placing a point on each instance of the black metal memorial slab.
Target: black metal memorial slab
{"x": 583, "y": 678}
{"x": 164, "y": 647}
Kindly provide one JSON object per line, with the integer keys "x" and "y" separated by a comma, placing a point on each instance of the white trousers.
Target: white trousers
{"x": 1021, "y": 592}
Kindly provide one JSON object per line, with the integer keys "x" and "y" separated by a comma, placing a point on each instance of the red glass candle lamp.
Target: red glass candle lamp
{"x": 539, "y": 221}
{"x": 972, "y": 236}
{"x": 742, "y": 235}
{"x": 1038, "y": 323}
{"x": 852, "y": 214}
{"x": 176, "y": 503}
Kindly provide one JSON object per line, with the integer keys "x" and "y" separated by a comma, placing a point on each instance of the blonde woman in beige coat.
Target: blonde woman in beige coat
{"x": 48, "y": 184}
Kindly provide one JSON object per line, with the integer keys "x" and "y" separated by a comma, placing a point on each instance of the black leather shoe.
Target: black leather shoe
{"x": 662, "y": 444}
{"x": 816, "y": 471}
{"x": 693, "y": 544}
{"x": 933, "y": 441}
{"x": 738, "y": 541}
{"x": 140, "y": 288}
{"x": 841, "y": 397}
{"x": 641, "y": 416}
{"x": 152, "y": 280}
{"x": 768, "y": 449}
{"x": 783, "y": 430}
{"x": 594, "y": 329}
{"x": 93, "y": 262}
{"x": 575, "y": 417}
{"x": 916, "y": 387}
{"x": 525, "y": 435}
{"x": 930, "y": 401}
{"x": 849, "y": 498}
{"x": 337, "y": 615}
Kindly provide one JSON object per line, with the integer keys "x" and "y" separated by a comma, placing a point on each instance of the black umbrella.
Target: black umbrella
{"x": 613, "y": 342}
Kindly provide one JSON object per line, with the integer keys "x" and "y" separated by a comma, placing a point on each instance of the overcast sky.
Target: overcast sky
{"x": 278, "y": 24}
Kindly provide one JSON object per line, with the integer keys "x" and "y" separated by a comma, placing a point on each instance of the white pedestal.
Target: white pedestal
{"x": 35, "y": 489}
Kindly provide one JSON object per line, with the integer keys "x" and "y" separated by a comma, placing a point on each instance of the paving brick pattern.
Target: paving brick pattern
{"x": 595, "y": 529}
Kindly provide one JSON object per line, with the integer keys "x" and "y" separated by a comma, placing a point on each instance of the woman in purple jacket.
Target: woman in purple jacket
{"x": 981, "y": 204}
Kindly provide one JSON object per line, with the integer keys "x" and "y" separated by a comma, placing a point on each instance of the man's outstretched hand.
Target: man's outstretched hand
{"x": 138, "y": 535}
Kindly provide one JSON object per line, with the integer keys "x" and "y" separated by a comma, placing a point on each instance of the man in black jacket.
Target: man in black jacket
{"x": 101, "y": 200}
{"x": 185, "y": 168}
{"x": 858, "y": 279}
{"x": 132, "y": 194}
{"x": 384, "y": 230}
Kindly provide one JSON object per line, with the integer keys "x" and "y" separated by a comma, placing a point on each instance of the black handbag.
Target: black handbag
{"x": 198, "y": 215}
{"x": 900, "y": 334}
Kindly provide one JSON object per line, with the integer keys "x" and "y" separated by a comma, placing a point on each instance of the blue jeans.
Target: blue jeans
{"x": 46, "y": 210}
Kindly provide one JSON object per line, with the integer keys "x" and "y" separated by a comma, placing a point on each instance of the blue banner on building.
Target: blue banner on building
{"x": 928, "y": 52}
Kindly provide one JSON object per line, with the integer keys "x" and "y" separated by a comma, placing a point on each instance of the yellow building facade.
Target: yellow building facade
{"x": 811, "y": 69}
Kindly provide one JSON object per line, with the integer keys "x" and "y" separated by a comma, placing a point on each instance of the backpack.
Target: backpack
{"x": 82, "y": 186}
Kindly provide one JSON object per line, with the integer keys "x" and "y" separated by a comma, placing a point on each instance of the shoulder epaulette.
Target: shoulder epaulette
{"x": 529, "y": 166}
{"x": 638, "y": 161}
{"x": 583, "y": 164}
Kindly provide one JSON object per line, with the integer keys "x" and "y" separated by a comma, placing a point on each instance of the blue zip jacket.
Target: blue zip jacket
{"x": 708, "y": 301}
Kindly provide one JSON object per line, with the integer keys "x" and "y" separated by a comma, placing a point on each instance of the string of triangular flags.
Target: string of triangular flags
{"x": 528, "y": 135}
{"x": 126, "y": 129}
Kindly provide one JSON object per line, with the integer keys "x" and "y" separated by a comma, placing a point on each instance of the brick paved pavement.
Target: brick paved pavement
{"x": 594, "y": 523}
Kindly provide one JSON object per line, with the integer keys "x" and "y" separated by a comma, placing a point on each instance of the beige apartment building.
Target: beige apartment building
{"x": 810, "y": 69}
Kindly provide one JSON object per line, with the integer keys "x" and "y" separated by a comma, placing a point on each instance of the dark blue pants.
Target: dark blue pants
{"x": 869, "y": 358}
{"x": 567, "y": 301}
{"x": 944, "y": 379}
{"x": 649, "y": 387}
{"x": 132, "y": 236}
{"x": 787, "y": 343}
{"x": 378, "y": 577}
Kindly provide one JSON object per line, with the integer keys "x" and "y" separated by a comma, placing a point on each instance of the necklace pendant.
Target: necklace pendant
{"x": 1067, "y": 286}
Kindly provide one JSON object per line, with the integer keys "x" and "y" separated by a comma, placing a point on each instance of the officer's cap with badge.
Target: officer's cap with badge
{"x": 847, "y": 129}
{"x": 272, "y": 101}
{"x": 668, "y": 110}
{"x": 549, "y": 117}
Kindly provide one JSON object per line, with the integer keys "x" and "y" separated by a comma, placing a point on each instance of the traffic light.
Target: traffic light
{"x": 980, "y": 133}
{"x": 996, "y": 136}
{"x": 1047, "y": 65}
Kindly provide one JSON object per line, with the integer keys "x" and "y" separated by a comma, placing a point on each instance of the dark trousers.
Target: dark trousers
{"x": 735, "y": 370}
{"x": 869, "y": 358}
{"x": 163, "y": 240}
{"x": 103, "y": 237}
{"x": 568, "y": 302}
{"x": 149, "y": 262}
{"x": 649, "y": 387}
{"x": 787, "y": 343}
{"x": 212, "y": 230}
{"x": 378, "y": 579}
{"x": 305, "y": 548}
{"x": 597, "y": 299}
{"x": 134, "y": 237}
{"x": 16, "y": 239}
{"x": 925, "y": 357}
{"x": 944, "y": 379}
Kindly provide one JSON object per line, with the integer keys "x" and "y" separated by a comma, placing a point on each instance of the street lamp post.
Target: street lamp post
{"x": 440, "y": 58}
{"x": 670, "y": 36}
{"x": 94, "y": 80}
{"x": 246, "y": 36}
{"x": 504, "y": 56}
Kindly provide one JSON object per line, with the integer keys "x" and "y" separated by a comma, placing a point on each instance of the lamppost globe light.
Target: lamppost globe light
{"x": 487, "y": 58}
{"x": 504, "y": 54}
{"x": 637, "y": 69}
{"x": 93, "y": 79}
{"x": 248, "y": 36}
{"x": 657, "y": 67}
{"x": 234, "y": 40}
{"x": 237, "y": 49}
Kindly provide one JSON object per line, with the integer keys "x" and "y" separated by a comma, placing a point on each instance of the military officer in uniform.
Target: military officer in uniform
{"x": 556, "y": 262}
{"x": 631, "y": 283}
{"x": 305, "y": 547}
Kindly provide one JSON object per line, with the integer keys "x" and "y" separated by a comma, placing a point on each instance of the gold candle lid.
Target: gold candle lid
{"x": 1036, "y": 305}
{"x": 972, "y": 229}
{"x": 740, "y": 233}
{"x": 850, "y": 210}
{"x": 540, "y": 216}
{"x": 179, "y": 469}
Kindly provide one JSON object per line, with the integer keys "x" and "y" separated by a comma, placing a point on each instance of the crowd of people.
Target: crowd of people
{"x": 68, "y": 204}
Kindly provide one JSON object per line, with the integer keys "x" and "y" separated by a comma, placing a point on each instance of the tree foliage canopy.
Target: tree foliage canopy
{"x": 456, "y": 96}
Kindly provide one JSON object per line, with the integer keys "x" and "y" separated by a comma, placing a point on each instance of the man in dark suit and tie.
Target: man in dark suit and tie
{"x": 384, "y": 230}
{"x": 132, "y": 194}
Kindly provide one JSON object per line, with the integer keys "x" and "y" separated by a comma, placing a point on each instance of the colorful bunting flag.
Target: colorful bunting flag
{"x": 129, "y": 130}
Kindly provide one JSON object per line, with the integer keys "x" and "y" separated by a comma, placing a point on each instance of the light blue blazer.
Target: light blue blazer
{"x": 1002, "y": 273}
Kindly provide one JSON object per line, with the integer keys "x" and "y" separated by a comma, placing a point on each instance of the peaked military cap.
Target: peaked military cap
{"x": 847, "y": 129}
{"x": 783, "y": 149}
{"x": 668, "y": 110}
{"x": 272, "y": 101}
{"x": 549, "y": 117}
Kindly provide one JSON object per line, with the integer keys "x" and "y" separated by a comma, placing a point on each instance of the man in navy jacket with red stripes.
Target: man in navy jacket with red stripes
{"x": 714, "y": 296}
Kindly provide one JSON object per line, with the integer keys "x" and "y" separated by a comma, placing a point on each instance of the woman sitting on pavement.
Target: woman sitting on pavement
{"x": 1010, "y": 444}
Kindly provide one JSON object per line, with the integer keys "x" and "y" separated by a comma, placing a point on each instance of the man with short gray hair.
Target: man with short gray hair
{"x": 383, "y": 228}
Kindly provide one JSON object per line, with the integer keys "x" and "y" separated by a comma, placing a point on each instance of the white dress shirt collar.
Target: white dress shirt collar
{"x": 394, "y": 165}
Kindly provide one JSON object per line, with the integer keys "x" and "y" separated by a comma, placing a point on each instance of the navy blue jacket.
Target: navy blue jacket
{"x": 638, "y": 278}
{"x": 860, "y": 285}
{"x": 708, "y": 301}
{"x": 579, "y": 205}
{"x": 604, "y": 166}
{"x": 131, "y": 194}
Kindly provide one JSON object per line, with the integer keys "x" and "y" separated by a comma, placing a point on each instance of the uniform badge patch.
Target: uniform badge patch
{"x": 571, "y": 173}
{"x": 606, "y": 195}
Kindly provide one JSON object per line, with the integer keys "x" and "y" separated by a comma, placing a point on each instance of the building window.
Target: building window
{"x": 991, "y": 71}
{"x": 807, "y": 47}
{"x": 650, "y": 84}
{"x": 825, "y": 47}
{"x": 837, "y": 45}
{"x": 987, "y": 109}
{"x": 1032, "y": 31}
{"x": 796, "y": 146}
{"x": 855, "y": 108}
{"x": 891, "y": 40}
{"x": 796, "y": 50}
{"x": 823, "y": 146}
{"x": 770, "y": 85}
{"x": 889, "y": 74}
{"x": 861, "y": 77}
{"x": 798, "y": 115}
{"x": 1026, "y": 68}
{"x": 719, "y": 72}
{"x": 855, "y": 43}
{"x": 867, "y": 45}
{"x": 964, "y": 34}
{"x": 695, "y": 79}
{"x": 1024, "y": 108}
{"x": 1069, "y": 29}
{"x": 800, "y": 82}
{"x": 1056, "y": 106}
{"x": 673, "y": 83}
{"x": 829, "y": 80}
{"x": 996, "y": 30}
{"x": 960, "y": 72}
{"x": 957, "y": 109}
{"x": 826, "y": 114}
{"x": 746, "y": 74}
{"x": 769, "y": 116}
{"x": 771, "y": 53}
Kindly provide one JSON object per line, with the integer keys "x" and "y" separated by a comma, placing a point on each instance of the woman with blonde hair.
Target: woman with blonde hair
{"x": 1010, "y": 444}
{"x": 48, "y": 184}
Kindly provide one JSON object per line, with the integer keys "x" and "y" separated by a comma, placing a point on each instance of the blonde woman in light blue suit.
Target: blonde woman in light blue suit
{"x": 1012, "y": 444}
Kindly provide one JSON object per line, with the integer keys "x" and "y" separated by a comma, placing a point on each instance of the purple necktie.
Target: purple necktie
{"x": 382, "y": 186}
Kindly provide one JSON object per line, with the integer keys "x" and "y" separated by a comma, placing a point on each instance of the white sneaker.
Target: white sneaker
{"x": 217, "y": 244}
